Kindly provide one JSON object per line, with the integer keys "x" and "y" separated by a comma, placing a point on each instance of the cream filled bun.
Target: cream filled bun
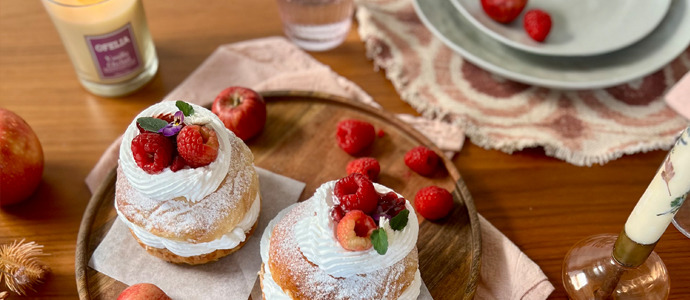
{"x": 180, "y": 213}
{"x": 304, "y": 259}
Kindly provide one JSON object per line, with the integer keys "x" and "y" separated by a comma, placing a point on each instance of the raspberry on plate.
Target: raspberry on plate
{"x": 356, "y": 192}
{"x": 422, "y": 160}
{"x": 354, "y": 230}
{"x": 353, "y": 136}
{"x": 152, "y": 152}
{"x": 433, "y": 202}
{"x": 503, "y": 11}
{"x": 537, "y": 23}
{"x": 367, "y": 166}
{"x": 198, "y": 145}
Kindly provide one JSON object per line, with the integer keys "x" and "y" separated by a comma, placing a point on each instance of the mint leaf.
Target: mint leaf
{"x": 186, "y": 109}
{"x": 380, "y": 240}
{"x": 400, "y": 221}
{"x": 151, "y": 124}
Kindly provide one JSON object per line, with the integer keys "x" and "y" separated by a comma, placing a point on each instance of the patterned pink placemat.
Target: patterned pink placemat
{"x": 580, "y": 127}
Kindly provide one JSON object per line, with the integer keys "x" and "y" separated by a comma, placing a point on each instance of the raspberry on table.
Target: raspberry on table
{"x": 367, "y": 166}
{"x": 537, "y": 24}
{"x": 433, "y": 202}
{"x": 356, "y": 192}
{"x": 152, "y": 152}
{"x": 422, "y": 160}
{"x": 198, "y": 145}
{"x": 353, "y": 136}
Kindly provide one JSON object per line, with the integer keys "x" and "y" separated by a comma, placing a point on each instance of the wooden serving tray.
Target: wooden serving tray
{"x": 299, "y": 142}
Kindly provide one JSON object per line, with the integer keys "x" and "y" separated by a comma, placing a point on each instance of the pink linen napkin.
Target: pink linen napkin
{"x": 678, "y": 97}
{"x": 274, "y": 63}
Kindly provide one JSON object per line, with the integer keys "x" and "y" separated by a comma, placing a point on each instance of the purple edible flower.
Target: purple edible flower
{"x": 175, "y": 126}
{"x": 378, "y": 216}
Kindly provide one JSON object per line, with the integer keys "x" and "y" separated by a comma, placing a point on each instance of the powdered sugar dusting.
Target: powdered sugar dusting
{"x": 312, "y": 282}
{"x": 203, "y": 221}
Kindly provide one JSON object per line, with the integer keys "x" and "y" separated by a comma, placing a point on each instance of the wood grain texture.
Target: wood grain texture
{"x": 542, "y": 204}
{"x": 298, "y": 141}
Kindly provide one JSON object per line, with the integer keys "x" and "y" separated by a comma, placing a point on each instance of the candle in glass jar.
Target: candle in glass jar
{"x": 664, "y": 195}
{"x": 108, "y": 42}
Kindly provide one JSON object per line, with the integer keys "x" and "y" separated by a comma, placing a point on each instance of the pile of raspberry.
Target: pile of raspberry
{"x": 193, "y": 146}
{"x": 357, "y": 209}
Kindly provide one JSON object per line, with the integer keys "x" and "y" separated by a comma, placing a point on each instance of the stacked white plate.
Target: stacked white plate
{"x": 592, "y": 44}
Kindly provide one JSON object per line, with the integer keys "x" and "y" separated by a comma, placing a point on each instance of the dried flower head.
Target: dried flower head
{"x": 20, "y": 267}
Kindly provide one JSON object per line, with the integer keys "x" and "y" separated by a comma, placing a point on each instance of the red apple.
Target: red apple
{"x": 242, "y": 110}
{"x": 21, "y": 159}
{"x": 143, "y": 291}
{"x": 503, "y": 11}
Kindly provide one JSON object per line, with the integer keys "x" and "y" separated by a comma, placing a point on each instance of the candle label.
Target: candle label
{"x": 115, "y": 54}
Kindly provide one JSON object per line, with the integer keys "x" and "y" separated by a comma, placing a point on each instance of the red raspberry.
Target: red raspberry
{"x": 198, "y": 145}
{"x": 337, "y": 213}
{"x": 433, "y": 202}
{"x": 380, "y": 133}
{"x": 356, "y": 192}
{"x": 166, "y": 117}
{"x": 503, "y": 11}
{"x": 152, "y": 152}
{"x": 537, "y": 23}
{"x": 178, "y": 163}
{"x": 353, "y": 136}
{"x": 390, "y": 204}
{"x": 367, "y": 166}
{"x": 422, "y": 160}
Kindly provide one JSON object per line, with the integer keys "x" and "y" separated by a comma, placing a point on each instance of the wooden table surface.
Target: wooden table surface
{"x": 542, "y": 204}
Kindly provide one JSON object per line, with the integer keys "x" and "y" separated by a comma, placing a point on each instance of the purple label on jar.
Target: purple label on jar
{"x": 115, "y": 54}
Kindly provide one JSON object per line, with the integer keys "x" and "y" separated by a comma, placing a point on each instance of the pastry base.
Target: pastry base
{"x": 168, "y": 256}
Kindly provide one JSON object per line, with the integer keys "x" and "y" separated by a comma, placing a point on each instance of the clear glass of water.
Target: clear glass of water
{"x": 316, "y": 25}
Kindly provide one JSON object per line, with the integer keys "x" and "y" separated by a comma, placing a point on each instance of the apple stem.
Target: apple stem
{"x": 236, "y": 100}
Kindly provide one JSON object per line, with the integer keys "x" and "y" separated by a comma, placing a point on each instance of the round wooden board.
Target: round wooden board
{"x": 299, "y": 142}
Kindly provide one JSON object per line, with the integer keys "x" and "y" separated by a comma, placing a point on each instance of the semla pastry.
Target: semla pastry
{"x": 331, "y": 245}
{"x": 186, "y": 186}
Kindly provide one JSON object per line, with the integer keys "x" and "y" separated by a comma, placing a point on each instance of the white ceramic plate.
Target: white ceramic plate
{"x": 657, "y": 49}
{"x": 580, "y": 28}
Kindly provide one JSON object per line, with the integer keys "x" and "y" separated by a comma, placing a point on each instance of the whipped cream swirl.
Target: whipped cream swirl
{"x": 191, "y": 183}
{"x": 316, "y": 240}
{"x": 185, "y": 249}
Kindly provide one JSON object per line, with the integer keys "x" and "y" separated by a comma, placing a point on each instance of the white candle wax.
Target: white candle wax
{"x": 108, "y": 41}
{"x": 664, "y": 195}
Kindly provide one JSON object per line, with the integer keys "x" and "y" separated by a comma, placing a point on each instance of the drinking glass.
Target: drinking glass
{"x": 316, "y": 25}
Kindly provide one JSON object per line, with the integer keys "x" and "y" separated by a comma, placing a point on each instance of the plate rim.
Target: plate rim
{"x": 562, "y": 84}
{"x": 546, "y": 51}
{"x": 84, "y": 248}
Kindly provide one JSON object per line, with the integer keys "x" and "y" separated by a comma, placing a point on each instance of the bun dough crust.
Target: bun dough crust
{"x": 301, "y": 279}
